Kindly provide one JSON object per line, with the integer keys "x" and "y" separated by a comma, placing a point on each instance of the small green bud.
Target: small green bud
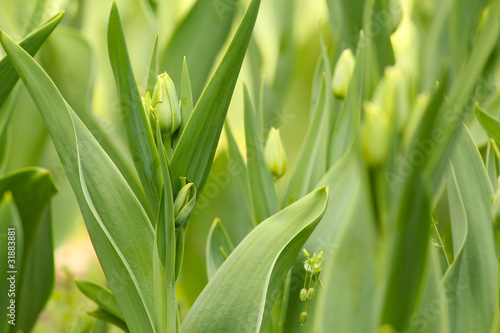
{"x": 405, "y": 41}
{"x": 320, "y": 256}
{"x": 306, "y": 253}
{"x": 303, "y": 294}
{"x": 303, "y": 318}
{"x": 165, "y": 105}
{"x": 343, "y": 73}
{"x": 274, "y": 153}
{"x": 184, "y": 203}
{"x": 182, "y": 198}
{"x": 310, "y": 293}
{"x": 375, "y": 134}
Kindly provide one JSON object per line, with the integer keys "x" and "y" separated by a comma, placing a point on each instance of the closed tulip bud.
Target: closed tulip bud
{"x": 165, "y": 105}
{"x": 375, "y": 134}
{"x": 303, "y": 294}
{"x": 310, "y": 293}
{"x": 274, "y": 153}
{"x": 303, "y": 318}
{"x": 343, "y": 73}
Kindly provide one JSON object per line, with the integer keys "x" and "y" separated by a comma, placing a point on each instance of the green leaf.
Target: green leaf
{"x": 250, "y": 279}
{"x": 348, "y": 237}
{"x": 186, "y": 101}
{"x": 5, "y": 118}
{"x": 450, "y": 117}
{"x": 9, "y": 218}
{"x": 219, "y": 247}
{"x": 492, "y": 165}
{"x": 137, "y": 126}
{"x": 108, "y": 205}
{"x": 240, "y": 171}
{"x": 153, "y": 67}
{"x": 105, "y": 316}
{"x": 102, "y": 296}
{"x": 195, "y": 151}
{"x": 32, "y": 43}
{"x": 490, "y": 124}
{"x": 472, "y": 276}
{"x": 32, "y": 189}
{"x": 408, "y": 238}
{"x": 305, "y": 174}
{"x": 199, "y": 38}
{"x": 260, "y": 180}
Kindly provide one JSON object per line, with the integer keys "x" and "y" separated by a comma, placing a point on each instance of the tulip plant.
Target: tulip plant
{"x": 388, "y": 220}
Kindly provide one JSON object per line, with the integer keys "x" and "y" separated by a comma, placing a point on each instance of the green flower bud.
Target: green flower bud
{"x": 165, "y": 105}
{"x": 343, "y": 73}
{"x": 306, "y": 253}
{"x": 184, "y": 203}
{"x": 274, "y": 153}
{"x": 303, "y": 294}
{"x": 405, "y": 42}
{"x": 375, "y": 134}
{"x": 393, "y": 95}
{"x": 320, "y": 256}
{"x": 303, "y": 318}
{"x": 310, "y": 293}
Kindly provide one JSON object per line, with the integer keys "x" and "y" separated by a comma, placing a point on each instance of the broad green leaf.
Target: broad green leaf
{"x": 108, "y": 205}
{"x": 490, "y": 124}
{"x": 137, "y": 126}
{"x": 102, "y": 296}
{"x": 67, "y": 58}
{"x": 344, "y": 15}
{"x": 250, "y": 279}
{"x": 32, "y": 43}
{"x": 153, "y": 68}
{"x": 431, "y": 311}
{"x": 260, "y": 180}
{"x": 219, "y": 247}
{"x": 472, "y": 276}
{"x": 32, "y": 189}
{"x": 450, "y": 117}
{"x": 241, "y": 171}
{"x": 347, "y": 235}
{"x": 464, "y": 20}
{"x": 105, "y": 316}
{"x": 9, "y": 220}
{"x": 5, "y": 117}
{"x": 305, "y": 174}
{"x": 186, "y": 101}
{"x": 195, "y": 151}
{"x": 408, "y": 237}
{"x": 199, "y": 38}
